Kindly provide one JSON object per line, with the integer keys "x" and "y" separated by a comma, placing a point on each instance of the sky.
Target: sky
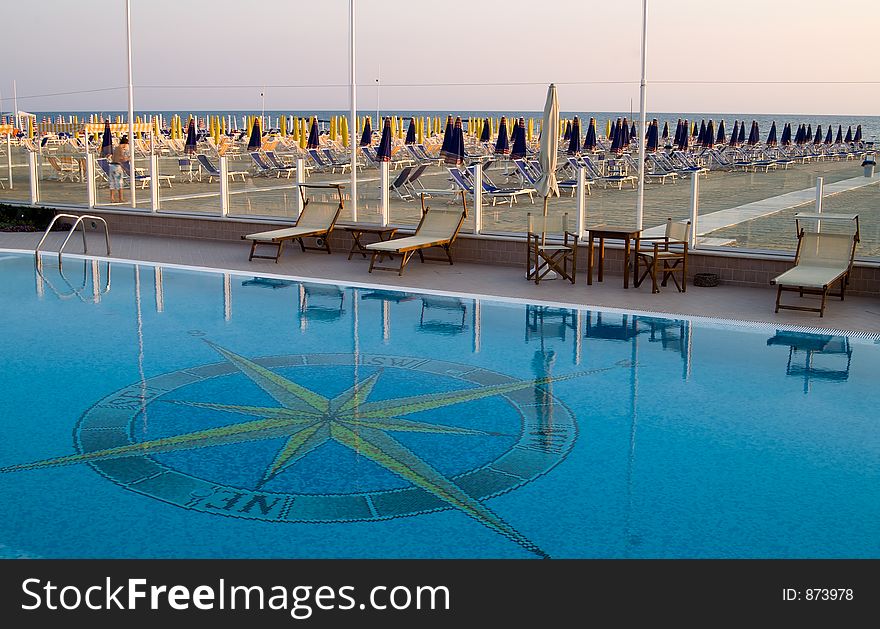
{"x": 750, "y": 56}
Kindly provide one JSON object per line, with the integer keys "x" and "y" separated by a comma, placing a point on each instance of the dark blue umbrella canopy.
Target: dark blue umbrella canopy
{"x": 624, "y": 134}
{"x": 590, "y": 138}
{"x": 518, "y": 148}
{"x": 411, "y": 132}
{"x": 839, "y": 138}
{"x": 800, "y": 135}
{"x": 459, "y": 141}
{"x": 695, "y": 133}
{"x": 858, "y": 135}
{"x": 685, "y": 138}
{"x": 447, "y": 137}
{"x": 652, "y": 142}
{"x": 722, "y": 136}
{"x": 709, "y": 136}
{"x": 190, "y": 146}
{"x": 785, "y": 140}
{"x": 312, "y": 141}
{"x": 771, "y": 137}
{"x": 616, "y": 145}
{"x": 567, "y": 133}
{"x": 701, "y": 134}
{"x": 665, "y": 129}
{"x": 502, "y": 144}
{"x": 107, "y": 141}
{"x": 632, "y": 131}
{"x": 384, "y": 150}
{"x": 255, "y": 142}
{"x": 367, "y": 136}
{"x": 678, "y": 127}
{"x": 742, "y": 132}
{"x": 809, "y": 135}
{"x": 574, "y": 144}
{"x": 754, "y": 133}
{"x": 829, "y": 137}
{"x": 734, "y": 135}
{"x": 849, "y": 135}
{"x": 817, "y": 139}
{"x": 486, "y": 135}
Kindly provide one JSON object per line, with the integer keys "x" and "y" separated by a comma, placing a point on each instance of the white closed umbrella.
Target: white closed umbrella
{"x": 547, "y": 185}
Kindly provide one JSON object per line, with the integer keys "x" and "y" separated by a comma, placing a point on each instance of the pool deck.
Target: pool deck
{"x": 856, "y": 313}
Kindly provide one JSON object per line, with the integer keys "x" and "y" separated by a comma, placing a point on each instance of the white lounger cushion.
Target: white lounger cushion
{"x": 280, "y": 234}
{"x": 822, "y": 259}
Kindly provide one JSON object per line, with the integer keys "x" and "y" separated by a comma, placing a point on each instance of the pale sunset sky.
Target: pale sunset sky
{"x": 703, "y": 55}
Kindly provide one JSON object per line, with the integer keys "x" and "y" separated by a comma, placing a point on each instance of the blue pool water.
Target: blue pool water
{"x": 191, "y": 414}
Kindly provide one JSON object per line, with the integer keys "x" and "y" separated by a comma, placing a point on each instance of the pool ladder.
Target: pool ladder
{"x": 78, "y": 222}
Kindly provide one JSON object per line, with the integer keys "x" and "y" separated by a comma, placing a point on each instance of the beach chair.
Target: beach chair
{"x": 214, "y": 172}
{"x": 616, "y": 178}
{"x": 821, "y": 260}
{"x": 335, "y": 162}
{"x": 64, "y": 170}
{"x": 529, "y": 173}
{"x": 262, "y": 168}
{"x": 437, "y": 228}
{"x": 664, "y": 256}
{"x": 545, "y": 253}
{"x": 462, "y": 179}
{"x": 278, "y": 164}
{"x": 399, "y": 184}
{"x": 316, "y": 220}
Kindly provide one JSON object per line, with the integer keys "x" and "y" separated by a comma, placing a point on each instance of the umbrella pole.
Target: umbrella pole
{"x": 544, "y": 229}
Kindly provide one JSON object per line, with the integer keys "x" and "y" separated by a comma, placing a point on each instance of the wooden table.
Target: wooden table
{"x": 626, "y": 234}
{"x": 358, "y": 231}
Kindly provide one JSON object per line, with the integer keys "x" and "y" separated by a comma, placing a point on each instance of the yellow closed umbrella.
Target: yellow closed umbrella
{"x": 283, "y": 126}
{"x": 530, "y": 130}
{"x": 420, "y": 130}
{"x": 345, "y": 137}
{"x": 608, "y": 129}
{"x": 303, "y": 133}
{"x": 223, "y": 126}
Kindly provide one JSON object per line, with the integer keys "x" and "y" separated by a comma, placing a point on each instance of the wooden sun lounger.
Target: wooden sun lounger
{"x": 438, "y": 228}
{"x": 315, "y": 221}
{"x": 821, "y": 260}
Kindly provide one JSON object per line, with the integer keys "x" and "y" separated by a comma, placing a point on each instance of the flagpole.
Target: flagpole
{"x": 640, "y": 205}
{"x": 353, "y": 112}
{"x": 131, "y": 177}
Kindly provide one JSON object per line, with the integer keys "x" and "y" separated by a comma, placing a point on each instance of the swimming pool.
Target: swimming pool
{"x": 164, "y": 412}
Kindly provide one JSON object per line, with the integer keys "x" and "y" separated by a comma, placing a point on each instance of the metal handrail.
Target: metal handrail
{"x": 78, "y": 222}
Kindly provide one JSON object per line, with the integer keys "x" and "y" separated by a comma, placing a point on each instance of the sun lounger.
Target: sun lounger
{"x": 438, "y": 228}
{"x": 821, "y": 260}
{"x": 399, "y": 184}
{"x": 279, "y": 165}
{"x": 335, "y": 162}
{"x": 508, "y": 195}
{"x": 316, "y": 221}
{"x": 214, "y": 172}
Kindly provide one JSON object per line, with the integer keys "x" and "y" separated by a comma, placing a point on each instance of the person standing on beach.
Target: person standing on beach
{"x": 120, "y": 156}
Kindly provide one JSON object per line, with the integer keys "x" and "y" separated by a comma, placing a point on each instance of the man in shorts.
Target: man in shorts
{"x": 120, "y": 156}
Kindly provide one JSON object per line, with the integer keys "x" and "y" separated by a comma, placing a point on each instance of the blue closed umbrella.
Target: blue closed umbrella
{"x": 567, "y": 134}
{"x": 734, "y": 135}
{"x": 709, "y": 135}
{"x": 839, "y": 138}
{"x": 502, "y": 144}
{"x": 447, "y": 137}
{"x": 486, "y": 135}
{"x": 678, "y": 127}
{"x": 312, "y": 141}
{"x": 665, "y": 130}
{"x": 411, "y": 132}
{"x": 742, "y": 132}
{"x": 459, "y": 141}
{"x": 367, "y": 136}
{"x": 632, "y": 131}
{"x": 817, "y": 139}
{"x": 190, "y": 146}
{"x": 786, "y": 135}
{"x": 722, "y": 136}
{"x": 616, "y": 144}
{"x": 695, "y": 132}
{"x": 518, "y": 148}
{"x": 574, "y": 145}
{"x": 256, "y": 140}
{"x": 829, "y": 137}
{"x": 652, "y": 142}
{"x": 701, "y": 134}
{"x": 771, "y": 137}
{"x": 590, "y": 136}
{"x": 849, "y": 135}
{"x": 107, "y": 141}
{"x": 858, "y": 135}
{"x": 754, "y": 133}
{"x": 809, "y": 135}
{"x": 383, "y": 153}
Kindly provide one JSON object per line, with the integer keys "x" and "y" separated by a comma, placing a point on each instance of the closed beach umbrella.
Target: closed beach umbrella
{"x": 590, "y": 139}
{"x": 665, "y": 130}
{"x": 771, "y": 137}
{"x": 574, "y": 145}
{"x": 829, "y": 137}
{"x": 384, "y": 150}
{"x": 709, "y": 136}
{"x": 107, "y": 141}
{"x": 786, "y": 135}
{"x": 518, "y": 146}
{"x": 632, "y": 131}
{"x": 695, "y": 131}
{"x": 502, "y": 144}
{"x": 849, "y": 135}
{"x": 567, "y": 134}
{"x": 817, "y": 139}
{"x": 190, "y": 146}
{"x": 616, "y": 146}
{"x": 411, "y": 132}
{"x": 608, "y": 129}
{"x": 701, "y": 136}
{"x": 367, "y": 137}
{"x": 742, "y": 132}
{"x": 486, "y": 133}
{"x": 256, "y": 140}
{"x": 446, "y": 146}
{"x": 684, "y": 140}
{"x": 722, "y": 137}
{"x": 312, "y": 142}
{"x": 678, "y": 127}
{"x": 754, "y": 133}
{"x": 653, "y": 140}
{"x": 458, "y": 135}
{"x": 809, "y": 135}
{"x": 839, "y": 138}
{"x": 858, "y": 135}
{"x": 734, "y": 135}
{"x": 546, "y": 184}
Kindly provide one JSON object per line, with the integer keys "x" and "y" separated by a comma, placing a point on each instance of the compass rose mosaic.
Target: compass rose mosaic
{"x": 328, "y": 438}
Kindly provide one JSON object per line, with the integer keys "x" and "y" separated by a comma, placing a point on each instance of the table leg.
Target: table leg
{"x": 356, "y": 246}
{"x": 601, "y": 256}
{"x": 590, "y": 262}
{"x": 626, "y": 262}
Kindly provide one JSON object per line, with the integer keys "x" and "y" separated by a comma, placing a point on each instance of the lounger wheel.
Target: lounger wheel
{"x": 319, "y": 242}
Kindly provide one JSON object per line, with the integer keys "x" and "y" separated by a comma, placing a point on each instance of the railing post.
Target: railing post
{"x": 224, "y": 186}
{"x": 9, "y": 158}
{"x": 478, "y": 197}
{"x": 154, "y": 182}
{"x": 383, "y": 192}
{"x": 581, "y": 201}
{"x": 300, "y": 180}
{"x": 33, "y": 174}
{"x": 695, "y": 207}
{"x": 90, "y": 179}
{"x": 820, "y": 192}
